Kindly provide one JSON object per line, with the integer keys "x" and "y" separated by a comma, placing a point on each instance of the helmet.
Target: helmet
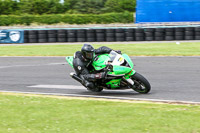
{"x": 88, "y": 51}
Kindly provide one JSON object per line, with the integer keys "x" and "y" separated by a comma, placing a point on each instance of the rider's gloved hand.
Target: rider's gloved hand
{"x": 118, "y": 51}
{"x": 100, "y": 75}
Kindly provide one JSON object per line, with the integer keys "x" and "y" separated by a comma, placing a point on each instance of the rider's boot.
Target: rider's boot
{"x": 90, "y": 78}
{"x": 87, "y": 81}
{"x": 89, "y": 85}
{"x": 82, "y": 80}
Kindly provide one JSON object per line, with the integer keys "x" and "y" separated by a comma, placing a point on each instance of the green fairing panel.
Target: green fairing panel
{"x": 70, "y": 60}
{"x": 128, "y": 75}
{"x": 114, "y": 83}
{"x": 99, "y": 62}
{"x": 126, "y": 57}
{"x": 121, "y": 70}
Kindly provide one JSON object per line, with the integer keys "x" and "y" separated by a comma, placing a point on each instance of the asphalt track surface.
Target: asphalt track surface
{"x": 171, "y": 78}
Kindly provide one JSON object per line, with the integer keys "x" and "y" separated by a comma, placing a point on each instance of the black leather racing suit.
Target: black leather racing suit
{"x": 82, "y": 66}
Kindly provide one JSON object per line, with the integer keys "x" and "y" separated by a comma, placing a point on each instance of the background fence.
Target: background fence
{"x": 112, "y": 34}
{"x": 101, "y": 34}
{"x": 167, "y": 11}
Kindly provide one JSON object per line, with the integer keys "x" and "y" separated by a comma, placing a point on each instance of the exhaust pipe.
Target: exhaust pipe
{"x": 74, "y": 76}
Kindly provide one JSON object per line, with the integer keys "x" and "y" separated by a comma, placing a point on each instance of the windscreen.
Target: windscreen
{"x": 115, "y": 58}
{"x": 113, "y": 55}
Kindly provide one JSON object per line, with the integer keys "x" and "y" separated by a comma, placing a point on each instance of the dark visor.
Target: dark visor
{"x": 89, "y": 55}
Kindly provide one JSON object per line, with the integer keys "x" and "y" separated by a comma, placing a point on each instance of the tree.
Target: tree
{"x": 87, "y": 6}
{"x": 55, "y": 7}
{"x": 41, "y": 6}
{"x": 120, "y": 5}
{"x": 25, "y": 6}
{"x": 113, "y": 6}
{"x": 8, "y": 7}
{"x": 70, "y": 3}
{"x": 128, "y": 5}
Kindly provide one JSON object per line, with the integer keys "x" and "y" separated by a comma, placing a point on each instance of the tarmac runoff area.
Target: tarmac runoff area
{"x": 173, "y": 79}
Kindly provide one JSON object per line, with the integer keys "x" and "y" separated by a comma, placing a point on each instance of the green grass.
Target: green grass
{"x": 137, "y": 49}
{"x": 22, "y": 114}
{"x": 36, "y": 114}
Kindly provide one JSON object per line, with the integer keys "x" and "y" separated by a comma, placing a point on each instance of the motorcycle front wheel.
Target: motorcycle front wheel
{"x": 141, "y": 84}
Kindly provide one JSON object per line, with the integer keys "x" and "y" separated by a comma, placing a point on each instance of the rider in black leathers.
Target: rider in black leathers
{"x": 82, "y": 64}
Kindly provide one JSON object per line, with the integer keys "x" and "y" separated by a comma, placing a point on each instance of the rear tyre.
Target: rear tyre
{"x": 141, "y": 84}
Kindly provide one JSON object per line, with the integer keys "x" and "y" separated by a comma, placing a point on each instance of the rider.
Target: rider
{"x": 82, "y": 64}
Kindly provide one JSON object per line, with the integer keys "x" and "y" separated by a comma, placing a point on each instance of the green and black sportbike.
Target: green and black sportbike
{"x": 120, "y": 73}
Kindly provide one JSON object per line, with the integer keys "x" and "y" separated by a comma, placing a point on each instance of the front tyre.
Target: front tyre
{"x": 141, "y": 84}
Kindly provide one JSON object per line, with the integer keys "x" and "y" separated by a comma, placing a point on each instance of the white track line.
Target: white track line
{"x": 71, "y": 55}
{"x": 73, "y": 87}
{"x": 57, "y": 86}
{"x": 108, "y": 97}
{"x": 50, "y": 64}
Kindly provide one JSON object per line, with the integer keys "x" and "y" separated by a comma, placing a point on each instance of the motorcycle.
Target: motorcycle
{"x": 120, "y": 73}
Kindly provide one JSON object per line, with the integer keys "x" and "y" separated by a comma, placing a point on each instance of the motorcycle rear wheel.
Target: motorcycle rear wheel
{"x": 141, "y": 84}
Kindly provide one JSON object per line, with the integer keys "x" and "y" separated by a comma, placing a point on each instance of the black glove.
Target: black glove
{"x": 118, "y": 51}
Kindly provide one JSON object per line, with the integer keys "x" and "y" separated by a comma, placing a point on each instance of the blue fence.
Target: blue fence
{"x": 167, "y": 11}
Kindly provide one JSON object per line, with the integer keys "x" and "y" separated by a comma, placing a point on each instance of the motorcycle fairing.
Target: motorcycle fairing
{"x": 100, "y": 61}
{"x": 121, "y": 70}
{"x": 115, "y": 83}
{"x": 126, "y": 57}
{"x": 70, "y": 60}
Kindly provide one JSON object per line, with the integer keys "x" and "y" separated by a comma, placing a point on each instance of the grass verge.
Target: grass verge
{"x": 138, "y": 49}
{"x": 21, "y": 113}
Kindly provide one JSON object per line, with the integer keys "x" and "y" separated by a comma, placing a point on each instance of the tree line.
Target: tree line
{"x": 38, "y": 7}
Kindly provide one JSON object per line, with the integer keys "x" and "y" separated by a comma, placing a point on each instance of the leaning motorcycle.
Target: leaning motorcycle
{"x": 120, "y": 73}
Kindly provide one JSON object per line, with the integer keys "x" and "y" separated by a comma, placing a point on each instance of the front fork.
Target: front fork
{"x": 127, "y": 78}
